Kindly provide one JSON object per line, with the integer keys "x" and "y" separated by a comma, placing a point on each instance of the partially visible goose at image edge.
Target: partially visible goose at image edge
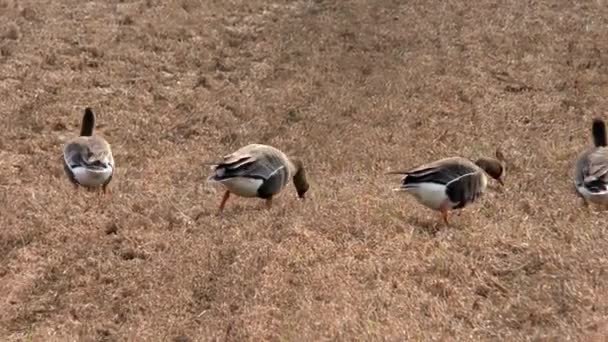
{"x": 87, "y": 159}
{"x": 591, "y": 168}
{"x": 449, "y": 183}
{"x": 258, "y": 170}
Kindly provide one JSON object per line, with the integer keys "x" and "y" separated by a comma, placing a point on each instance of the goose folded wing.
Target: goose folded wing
{"x": 465, "y": 188}
{"x": 437, "y": 173}
{"x": 73, "y": 155}
{"x": 597, "y": 168}
{"x": 81, "y": 155}
{"x": 242, "y": 166}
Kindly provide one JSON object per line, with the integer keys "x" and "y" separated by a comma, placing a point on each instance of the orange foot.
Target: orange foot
{"x": 223, "y": 203}
{"x": 444, "y": 214}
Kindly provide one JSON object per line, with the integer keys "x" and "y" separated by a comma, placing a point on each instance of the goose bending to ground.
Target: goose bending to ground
{"x": 450, "y": 183}
{"x": 258, "y": 171}
{"x": 87, "y": 159}
{"x": 591, "y": 168}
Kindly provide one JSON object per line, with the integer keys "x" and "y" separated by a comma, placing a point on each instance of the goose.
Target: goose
{"x": 87, "y": 159}
{"x": 591, "y": 168}
{"x": 258, "y": 170}
{"x": 450, "y": 183}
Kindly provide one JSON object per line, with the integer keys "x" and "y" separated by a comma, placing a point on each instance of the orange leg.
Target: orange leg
{"x": 105, "y": 190}
{"x": 444, "y": 215}
{"x": 269, "y": 203}
{"x": 224, "y": 200}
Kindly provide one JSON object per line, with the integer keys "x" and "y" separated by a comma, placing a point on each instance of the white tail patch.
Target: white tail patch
{"x": 242, "y": 186}
{"x": 91, "y": 177}
{"x": 431, "y": 195}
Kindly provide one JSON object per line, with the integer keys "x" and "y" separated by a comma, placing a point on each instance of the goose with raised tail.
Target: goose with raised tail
{"x": 591, "y": 168}
{"x": 87, "y": 159}
{"x": 450, "y": 183}
{"x": 258, "y": 170}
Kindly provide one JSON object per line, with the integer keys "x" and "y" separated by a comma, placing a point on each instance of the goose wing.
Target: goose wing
{"x": 592, "y": 169}
{"x": 249, "y": 164}
{"x": 463, "y": 180}
{"x": 89, "y": 152}
{"x": 443, "y": 171}
{"x": 466, "y": 188}
{"x": 598, "y": 164}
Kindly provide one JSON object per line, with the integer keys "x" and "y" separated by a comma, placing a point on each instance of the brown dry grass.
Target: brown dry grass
{"x": 355, "y": 88}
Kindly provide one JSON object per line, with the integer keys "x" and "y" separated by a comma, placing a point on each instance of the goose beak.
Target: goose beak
{"x": 500, "y": 182}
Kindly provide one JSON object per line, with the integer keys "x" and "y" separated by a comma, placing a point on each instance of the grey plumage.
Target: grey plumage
{"x": 87, "y": 159}
{"x": 591, "y": 167}
{"x": 449, "y": 183}
{"x": 258, "y": 170}
{"x": 89, "y": 152}
{"x": 464, "y": 181}
{"x": 256, "y": 162}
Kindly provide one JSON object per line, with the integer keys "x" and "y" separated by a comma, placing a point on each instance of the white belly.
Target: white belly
{"x": 431, "y": 195}
{"x": 245, "y": 187}
{"x": 91, "y": 177}
{"x": 593, "y": 197}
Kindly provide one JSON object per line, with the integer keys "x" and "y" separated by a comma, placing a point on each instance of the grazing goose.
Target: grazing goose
{"x": 591, "y": 168}
{"x": 258, "y": 171}
{"x": 87, "y": 159}
{"x": 449, "y": 183}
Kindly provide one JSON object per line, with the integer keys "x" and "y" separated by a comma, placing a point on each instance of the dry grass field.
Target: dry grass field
{"x": 355, "y": 88}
